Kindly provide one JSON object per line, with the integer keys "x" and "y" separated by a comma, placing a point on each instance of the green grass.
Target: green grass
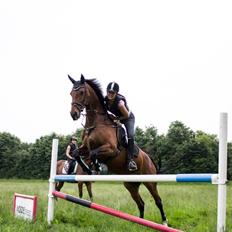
{"x": 190, "y": 207}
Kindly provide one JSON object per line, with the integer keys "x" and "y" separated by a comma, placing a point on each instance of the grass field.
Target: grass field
{"x": 190, "y": 207}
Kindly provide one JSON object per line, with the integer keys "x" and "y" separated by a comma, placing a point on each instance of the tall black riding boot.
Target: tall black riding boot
{"x": 71, "y": 166}
{"x": 132, "y": 166}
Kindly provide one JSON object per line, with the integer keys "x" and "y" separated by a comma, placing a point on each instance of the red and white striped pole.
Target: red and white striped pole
{"x": 114, "y": 212}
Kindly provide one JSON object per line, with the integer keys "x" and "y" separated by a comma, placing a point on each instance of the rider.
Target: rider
{"x": 116, "y": 104}
{"x": 73, "y": 155}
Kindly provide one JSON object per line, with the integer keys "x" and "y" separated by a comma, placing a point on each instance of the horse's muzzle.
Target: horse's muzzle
{"x": 75, "y": 115}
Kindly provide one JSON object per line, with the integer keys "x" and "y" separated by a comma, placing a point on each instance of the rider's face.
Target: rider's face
{"x": 111, "y": 95}
{"x": 74, "y": 141}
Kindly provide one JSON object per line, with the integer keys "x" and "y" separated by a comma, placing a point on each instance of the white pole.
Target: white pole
{"x": 51, "y": 201}
{"x": 213, "y": 178}
{"x": 222, "y": 172}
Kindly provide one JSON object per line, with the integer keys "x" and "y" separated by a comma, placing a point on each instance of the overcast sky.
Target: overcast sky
{"x": 172, "y": 60}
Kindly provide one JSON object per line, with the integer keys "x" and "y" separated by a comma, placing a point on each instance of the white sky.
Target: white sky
{"x": 172, "y": 60}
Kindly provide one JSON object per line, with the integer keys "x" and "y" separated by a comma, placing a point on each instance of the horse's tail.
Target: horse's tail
{"x": 157, "y": 166}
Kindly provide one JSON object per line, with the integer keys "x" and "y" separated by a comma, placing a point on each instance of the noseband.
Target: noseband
{"x": 78, "y": 105}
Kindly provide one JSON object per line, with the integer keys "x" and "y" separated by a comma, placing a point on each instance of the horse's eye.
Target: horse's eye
{"x": 81, "y": 92}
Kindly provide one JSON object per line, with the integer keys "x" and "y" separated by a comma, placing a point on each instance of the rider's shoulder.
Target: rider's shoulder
{"x": 120, "y": 97}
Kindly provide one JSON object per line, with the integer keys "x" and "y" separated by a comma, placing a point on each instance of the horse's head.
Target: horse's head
{"x": 78, "y": 94}
{"x": 86, "y": 93}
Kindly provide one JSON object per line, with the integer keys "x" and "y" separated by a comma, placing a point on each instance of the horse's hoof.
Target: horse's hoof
{"x": 165, "y": 223}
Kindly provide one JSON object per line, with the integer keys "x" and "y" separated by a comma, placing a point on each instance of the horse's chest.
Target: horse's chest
{"x": 95, "y": 140}
{"x": 101, "y": 136}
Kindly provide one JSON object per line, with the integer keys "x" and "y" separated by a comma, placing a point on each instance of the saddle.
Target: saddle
{"x": 123, "y": 140}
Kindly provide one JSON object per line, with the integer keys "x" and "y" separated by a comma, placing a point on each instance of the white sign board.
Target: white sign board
{"x": 25, "y": 206}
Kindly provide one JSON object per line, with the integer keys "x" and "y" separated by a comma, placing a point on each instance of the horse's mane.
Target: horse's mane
{"x": 96, "y": 86}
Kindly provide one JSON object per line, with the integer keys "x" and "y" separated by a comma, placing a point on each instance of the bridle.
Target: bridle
{"x": 80, "y": 106}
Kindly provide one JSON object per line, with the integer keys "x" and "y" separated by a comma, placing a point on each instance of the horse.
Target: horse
{"x": 79, "y": 171}
{"x": 100, "y": 139}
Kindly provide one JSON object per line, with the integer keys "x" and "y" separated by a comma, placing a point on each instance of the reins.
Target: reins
{"x": 113, "y": 125}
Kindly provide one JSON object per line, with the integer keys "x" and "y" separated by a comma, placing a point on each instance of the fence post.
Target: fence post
{"x": 51, "y": 202}
{"x": 222, "y": 173}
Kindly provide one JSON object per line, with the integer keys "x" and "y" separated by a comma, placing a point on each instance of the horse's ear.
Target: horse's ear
{"x": 71, "y": 79}
{"x": 82, "y": 79}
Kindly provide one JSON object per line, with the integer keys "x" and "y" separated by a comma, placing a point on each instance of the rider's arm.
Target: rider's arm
{"x": 68, "y": 151}
{"x": 123, "y": 110}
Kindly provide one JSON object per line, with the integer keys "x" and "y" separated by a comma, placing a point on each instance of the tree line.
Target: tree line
{"x": 180, "y": 150}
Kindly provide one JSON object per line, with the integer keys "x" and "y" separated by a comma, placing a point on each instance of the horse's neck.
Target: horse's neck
{"x": 96, "y": 117}
{"x": 95, "y": 111}
{"x": 94, "y": 103}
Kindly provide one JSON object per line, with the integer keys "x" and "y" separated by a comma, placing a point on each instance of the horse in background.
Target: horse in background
{"x": 79, "y": 171}
{"x": 100, "y": 139}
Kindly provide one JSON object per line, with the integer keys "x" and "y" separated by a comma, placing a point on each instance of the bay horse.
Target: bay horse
{"x": 79, "y": 171}
{"x": 100, "y": 140}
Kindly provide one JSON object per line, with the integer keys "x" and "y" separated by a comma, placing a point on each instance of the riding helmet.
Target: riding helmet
{"x": 74, "y": 138}
{"x": 113, "y": 86}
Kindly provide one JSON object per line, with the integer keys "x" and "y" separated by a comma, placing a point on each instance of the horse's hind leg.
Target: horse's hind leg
{"x": 152, "y": 187}
{"x": 80, "y": 189}
{"x": 133, "y": 188}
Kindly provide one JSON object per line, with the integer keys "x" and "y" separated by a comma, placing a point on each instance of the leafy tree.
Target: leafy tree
{"x": 229, "y": 161}
{"x": 139, "y": 137}
{"x": 177, "y": 137}
{"x": 148, "y": 140}
{"x": 10, "y": 145}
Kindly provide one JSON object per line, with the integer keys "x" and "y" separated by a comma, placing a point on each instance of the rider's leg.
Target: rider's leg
{"x": 71, "y": 166}
{"x": 132, "y": 166}
{"x": 129, "y": 124}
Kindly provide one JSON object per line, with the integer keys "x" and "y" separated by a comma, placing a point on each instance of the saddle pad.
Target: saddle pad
{"x": 65, "y": 168}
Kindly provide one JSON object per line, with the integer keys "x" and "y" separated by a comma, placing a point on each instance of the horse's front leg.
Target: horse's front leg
{"x": 104, "y": 151}
{"x": 58, "y": 186}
